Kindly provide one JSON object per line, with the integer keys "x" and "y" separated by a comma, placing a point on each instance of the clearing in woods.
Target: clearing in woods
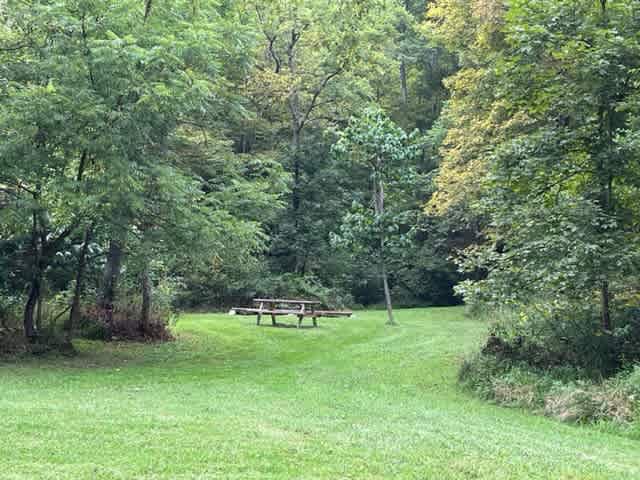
{"x": 351, "y": 399}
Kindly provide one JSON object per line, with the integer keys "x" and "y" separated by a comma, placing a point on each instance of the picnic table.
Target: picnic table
{"x": 281, "y": 306}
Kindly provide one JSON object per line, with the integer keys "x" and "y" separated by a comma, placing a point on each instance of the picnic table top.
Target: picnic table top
{"x": 283, "y": 300}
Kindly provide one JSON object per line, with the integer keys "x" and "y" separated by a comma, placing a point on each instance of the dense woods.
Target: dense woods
{"x": 163, "y": 155}
{"x": 158, "y": 155}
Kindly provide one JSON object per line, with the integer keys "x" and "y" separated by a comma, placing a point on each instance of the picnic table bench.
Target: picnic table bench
{"x": 280, "y": 306}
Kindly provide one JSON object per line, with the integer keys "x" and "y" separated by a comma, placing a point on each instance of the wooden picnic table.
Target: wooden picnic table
{"x": 299, "y": 308}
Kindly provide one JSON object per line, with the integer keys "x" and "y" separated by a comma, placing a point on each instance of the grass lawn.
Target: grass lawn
{"x": 352, "y": 399}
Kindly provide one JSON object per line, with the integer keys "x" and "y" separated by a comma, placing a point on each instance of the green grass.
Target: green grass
{"x": 352, "y": 399}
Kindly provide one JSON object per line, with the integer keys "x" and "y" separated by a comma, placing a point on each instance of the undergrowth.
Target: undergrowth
{"x": 563, "y": 366}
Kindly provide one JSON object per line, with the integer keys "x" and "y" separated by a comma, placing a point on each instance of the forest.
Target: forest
{"x": 191, "y": 155}
{"x": 160, "y": 157}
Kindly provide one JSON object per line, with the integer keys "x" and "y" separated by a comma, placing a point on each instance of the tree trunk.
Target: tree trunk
{"x": 36, "y": 282}
{"x": 387, "y": 295}
{"x": 110, "y": 279}
{"x": 145, "y": 313}
{"x": 378, "y": 201}
{"x": 30, "y": 307}
{"x": 605, "y": 309}
{"x": 147, "y": 10}
{"x": 295, "y": 190}
{"x": 404, "y": 92}
{"x": 39, "y": 310}
{"x": 74, "y": 314}
{"x": 296, "y": 121}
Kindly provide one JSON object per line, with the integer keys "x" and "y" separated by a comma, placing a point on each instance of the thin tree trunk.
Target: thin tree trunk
{"x": 378, "y": 201}
{"x": 295, "y": 204}
{"x": 145, "y": 313}
{"x": 295, "y": 149}
{"x": 605, "y": 309}
{"x": 110, "y": 279}
{"x": 295, "y": 191}
{"x": 295, "y": 111}
{"x": 30, "y": 307}
{"x": 39, "y": 310}
{"x": 36, "y": 281}
{"x": 74, "y": 314}
{"x": 404, "y": 92}
{"x": 147, "y": 10}
{"x": 387, "y": 295}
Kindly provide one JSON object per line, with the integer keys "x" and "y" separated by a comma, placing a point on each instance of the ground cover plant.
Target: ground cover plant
{"x": 351, "y": 399}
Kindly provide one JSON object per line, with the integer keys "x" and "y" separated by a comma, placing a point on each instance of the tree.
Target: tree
{"x": 562, "y": 164}
{"x": 92, "y": 99}
{"x": 307, "y": 77}
{"x": 372, "y": 140}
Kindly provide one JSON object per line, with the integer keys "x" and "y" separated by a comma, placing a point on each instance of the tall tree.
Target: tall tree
{"x": 562, "y": 163}
{"x": 92, "y": 97}
{"x": 374, "y": 141}
{"x": 306, "y": 68}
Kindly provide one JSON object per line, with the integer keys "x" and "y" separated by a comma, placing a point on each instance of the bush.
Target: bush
{"x": 631, "y": 381}
{"x": 562, "y": 364}
{"x": 10, "y": 310}
{"x": 290, "y": 285}
{"x": 503, "y": 382}
{"x": 570, "y": 339}
{"x": 558, "y": 393}
{"x": 12, "y": 341}
{"x": 478, "y": 372}
{"x": 123, "y": 324}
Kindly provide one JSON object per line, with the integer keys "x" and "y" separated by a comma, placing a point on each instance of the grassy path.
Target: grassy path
{"x": 352, "y": 399}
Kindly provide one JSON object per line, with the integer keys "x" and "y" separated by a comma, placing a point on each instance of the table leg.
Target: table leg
{"x": 273, "y": 317}
{"x": 301, "y": 316}
{"x": 260, "y": 313}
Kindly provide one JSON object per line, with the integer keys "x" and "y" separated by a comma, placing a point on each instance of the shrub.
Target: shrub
{"x": 12, "y": 341}
{"x": 10, "y": 310}
{"x": 123, "y": 323}
{"x": 573, "y": 339}
{"x": 631, "y": 381}
{"x": 589, "y": 402}
{"x": 562, "y": 364}
{"x": 290, "y": 285}
{"x": 503, "y": 382}
{"x": 510, "y": 392}
{"x": 558, "y": 393}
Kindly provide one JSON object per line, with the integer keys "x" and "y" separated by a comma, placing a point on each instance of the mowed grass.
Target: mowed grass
{"x": 352, "y": 399}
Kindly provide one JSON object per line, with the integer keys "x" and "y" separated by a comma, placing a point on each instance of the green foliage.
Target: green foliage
{"x": 98, "y": 140}
{"x": 290, "y": 285}
{"x": 373, "y": 137}
{"x": 373, "y": 141}
{"x": 551, "y": 167}
{"x": 195, "y": 138}
{"x": 570, "y": 338}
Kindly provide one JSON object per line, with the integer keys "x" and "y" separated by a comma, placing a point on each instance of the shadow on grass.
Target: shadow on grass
{"x": 287, "y": 325}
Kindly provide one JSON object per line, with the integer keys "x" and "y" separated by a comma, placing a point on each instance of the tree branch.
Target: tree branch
{"x": 272, "y": 40}
{"x": 316, "y": 94}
